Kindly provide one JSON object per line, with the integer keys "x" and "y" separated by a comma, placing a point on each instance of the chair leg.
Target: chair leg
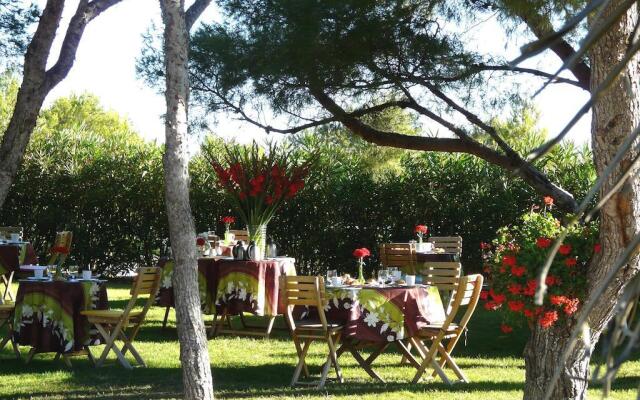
{"x": 334, "y": 357}
{"x": 166, "y": 317}
{"x": 67, "y": 360}
{"x": 449, "y": 360}
{"x": 129, "y": 345}
{"x": 427, "y": 360}
{"x": 32, "y": 353}
{"x": 90, "y": 356}
{"x": 301, "y": 362}
{"x": 270, "y": 326}
{"x": 110, "y": 345}
{"x": 305, "y": 370}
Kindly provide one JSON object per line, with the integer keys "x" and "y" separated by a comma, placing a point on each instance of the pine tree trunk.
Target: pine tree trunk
{"x": 615, "y": 116}
{"x": 194, "y": 354}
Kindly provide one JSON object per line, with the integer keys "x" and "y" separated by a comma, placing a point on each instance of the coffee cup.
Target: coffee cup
{"x": 336, "y": 281}
{"x": 86, "y": 274}
{"x": 410, "y": 279}
{"x": 15, "y": 237}
{"x": 38, "y": 273}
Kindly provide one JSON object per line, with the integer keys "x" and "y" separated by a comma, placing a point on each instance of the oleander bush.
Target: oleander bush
{"x": 86, "y": 170}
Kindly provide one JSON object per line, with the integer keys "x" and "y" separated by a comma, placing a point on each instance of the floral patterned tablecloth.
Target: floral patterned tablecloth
{"x": 237, "y": 286}
{"x": 13, "y": 255}
{"x": 47, "y": 314}
{"x": 384, "y": 314}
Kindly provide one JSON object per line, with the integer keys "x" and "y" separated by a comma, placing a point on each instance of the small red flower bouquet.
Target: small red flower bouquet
{"x": 421, "y": 231}
{"x": 360, "y": 255}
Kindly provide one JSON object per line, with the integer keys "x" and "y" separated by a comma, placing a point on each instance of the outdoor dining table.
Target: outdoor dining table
{"x": 48, "y": 314}
{"x": 380, "y": 316}
{"x": 231, "y": 287}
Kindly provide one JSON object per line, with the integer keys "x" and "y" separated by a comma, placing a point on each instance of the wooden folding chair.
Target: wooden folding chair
{"x": 113, "y": 324}
{"x": 5, "y": 287}
{"x": 444, "y": 275}
{"x": 310, "y": 291}
{"x": 6, "y": 319}
{"x": 401, "y": 255}
{"x": 63, "y": 240}
{"x": 240, "y": 234}
{"x": 467, "y": 293}
{"x": 450, "y": 244}
{"x": 6, "y": 231}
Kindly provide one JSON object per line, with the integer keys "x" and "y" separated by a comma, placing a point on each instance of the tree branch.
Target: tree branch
{"x": 85, "y": 12}
{"x": 527, "y": 172}
{"x": 541, "y": 27}
{"x": 194, "y": 12}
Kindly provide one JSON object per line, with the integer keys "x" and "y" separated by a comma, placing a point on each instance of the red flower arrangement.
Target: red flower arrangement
{"x": 60, "y": 250}
{"x": 228, "y": 220}
{"x": 513, "y": 261}
{"x": 258, "y": 181}
{"x": 360, "y": 254}
{"x": 421, "y": 231}
{"x": 200, "y": 241}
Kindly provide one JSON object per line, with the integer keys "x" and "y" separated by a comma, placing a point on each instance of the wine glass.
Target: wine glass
{"x": 332, "y": 273}
{"x": 73, "y": 272}
{"x": 383, "y": 276}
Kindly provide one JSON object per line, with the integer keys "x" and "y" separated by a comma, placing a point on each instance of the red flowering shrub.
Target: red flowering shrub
{"x": 514, "y": 259}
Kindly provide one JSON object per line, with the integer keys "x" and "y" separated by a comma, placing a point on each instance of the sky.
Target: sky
{"x": 105, "y": 66}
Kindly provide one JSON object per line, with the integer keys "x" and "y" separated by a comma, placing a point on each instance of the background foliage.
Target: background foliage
{"x": 86, "y": 170}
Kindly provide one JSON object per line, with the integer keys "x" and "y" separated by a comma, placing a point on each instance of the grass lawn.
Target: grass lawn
{"x": 255, "y": 368}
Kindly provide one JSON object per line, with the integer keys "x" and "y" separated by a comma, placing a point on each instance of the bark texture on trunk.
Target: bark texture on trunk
{"x": 37, "y": 81}
{"x": 194, "y": 354}
{"x": 615, "y": 116}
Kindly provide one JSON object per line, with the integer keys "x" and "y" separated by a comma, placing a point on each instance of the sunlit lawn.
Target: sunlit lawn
{"x": 256, "y": 368}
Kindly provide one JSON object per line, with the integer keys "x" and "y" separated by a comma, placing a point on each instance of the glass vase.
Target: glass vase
{"x": 258, "y": 234}
{"x": 361, "y": 272}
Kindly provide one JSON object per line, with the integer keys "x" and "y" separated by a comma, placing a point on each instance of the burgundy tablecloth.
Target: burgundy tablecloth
{"x": 47, "y": 314}
{"x": 376, "y": 314}
{"x": 12, "y": 256}
{"x": 237, "y": 286}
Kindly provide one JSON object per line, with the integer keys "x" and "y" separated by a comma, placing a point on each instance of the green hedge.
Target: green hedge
{"x": 86, "y": 171}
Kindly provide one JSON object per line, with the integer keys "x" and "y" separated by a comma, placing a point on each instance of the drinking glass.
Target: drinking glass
{"x": 332, "y": 273}
{"x": 73, "y": 271}
{"x": 392, "y": 273}
{"x": 383, "y": 276}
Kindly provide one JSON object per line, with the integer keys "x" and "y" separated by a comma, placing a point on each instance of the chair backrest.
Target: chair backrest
{"x": 466, "y": 294}
{"x": 303, "y": 291}
{"x": 444, "y": 275}
{"x": 63, "y": 240}
{"x": 397, "y": 254}
{"x": 146, "y": 282}
{"x": 240, "y": 234}
{"x": 6, "y": 231}
{"x": 451, "y": 244}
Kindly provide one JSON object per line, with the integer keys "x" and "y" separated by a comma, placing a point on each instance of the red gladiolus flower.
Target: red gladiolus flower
{"x": 565, "y": 249}
{"x": 60, "y": 250}
{"x": 485, "y": 246}
{"x": 548, "y": 200}
{"x": 509, "y": 261}
{"x": 518, "y": 271}
{"x": 484, "y": 295}
{"x": 515, "y": 306}
{"x": 200, "y": 241}
{"x": 268, "y": 199}
{"x": 597, "y": 248}
{"x": 514, "y": 288}
{"x": 548, "y": 318}
{"x": 492, "y": 305}
{"x": 361, "y": 253}
{"x": 506, "y": 328}
{"x": 570, "y": 262}
{"x": 557, "y": 300}
{"x": 543, "y": 242}
{"x": 228, "y": 220}
{"x": 422, "y": 229}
